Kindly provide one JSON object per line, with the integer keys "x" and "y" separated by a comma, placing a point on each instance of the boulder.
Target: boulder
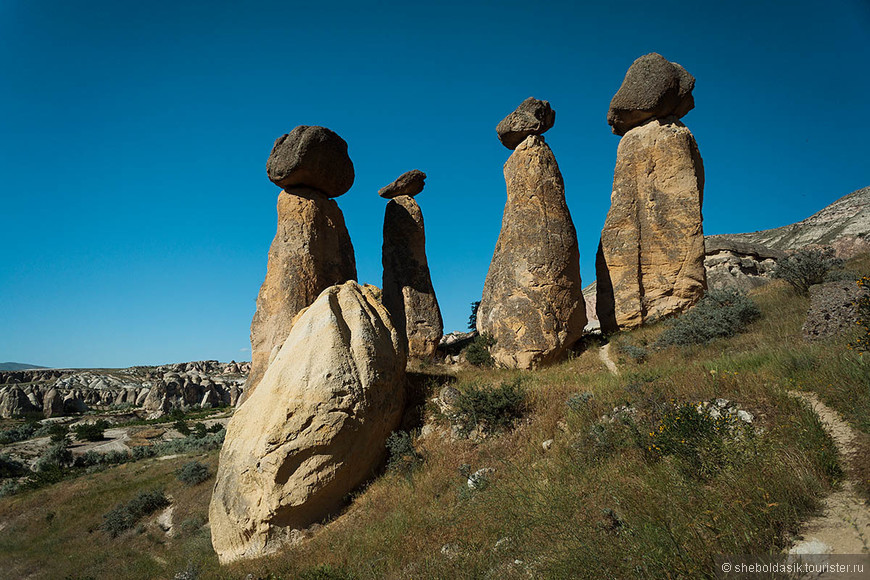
{"x": 650, "y": 261}
{"x": 311, "y": 157}
{"x": 311, "y": 252}
{"x": 833, "y": 309}
{"x": 532, "y": 117}
{"x": 408, "y": 294}
{"x": 409, "y": 183}
{"x": 315, "y": 428}
{"x": 653, "y": 88}
{"x": 532, "y": 300}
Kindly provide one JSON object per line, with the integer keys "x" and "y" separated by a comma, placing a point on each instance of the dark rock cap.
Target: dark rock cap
{"x": 312, "y": 157}
{"x": 532, "y": 117}
{"x": 653, "y": 87}
{"x": 409, "y": 183}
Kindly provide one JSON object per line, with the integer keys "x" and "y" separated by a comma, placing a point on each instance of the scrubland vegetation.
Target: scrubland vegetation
{"x": 695, "y": 449}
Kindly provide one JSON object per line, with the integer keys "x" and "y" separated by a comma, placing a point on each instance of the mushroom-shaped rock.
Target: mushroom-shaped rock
{"x": 311, "y": 157}
{"x": 311, "y": 252}
{"x": 532, "y": 117}
{"x": 409, "y": 183}
{"x": 408, "y": 293}
{"x": 532, "y": 301}
{"x": 652, "y": 88}
{"x": 315, "y": 428}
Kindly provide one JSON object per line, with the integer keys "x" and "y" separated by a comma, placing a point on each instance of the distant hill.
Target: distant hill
{"x": 14, "y": 366}
{"x": 846, "y": 222}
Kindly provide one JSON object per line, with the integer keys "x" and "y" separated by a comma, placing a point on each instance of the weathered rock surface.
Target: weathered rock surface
{"x": 833, "y": 309}
{"x": 409, "y": 183}
{"x": 532, "y": 300}
{"x": 408, "y": 294}
{"x": 14, "y": 402}
{"x": 314, "y": 429}
{"x": 653, "y": 88}
{"x": 650, "y": 262}
{"x": 738, "y": 265}
{"x": 843, "y": 225}
{"x": 311, "y": 252}
{"x": 311, "y": 157}
{"x": 532, "y": 117}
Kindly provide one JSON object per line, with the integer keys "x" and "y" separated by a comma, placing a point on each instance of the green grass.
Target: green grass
{"x": 600, "y": 503}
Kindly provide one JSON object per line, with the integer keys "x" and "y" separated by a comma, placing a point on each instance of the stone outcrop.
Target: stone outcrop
{"x": 311, "y": 158}
{"x": 532, "y": 300}
{"x": 14, "y": 402}
{"x": 409, "y": 183}
{"x": 653, "y": 88}
{"x": 833, "y": 309}
{"x": 408, "y": 294}
{"x": 650, "y": 261}
{"x": 311, "y": 252}
{"x": 314, "y": 429}
{"x": 532, "y": 117}
{"x": 742, "y": 266}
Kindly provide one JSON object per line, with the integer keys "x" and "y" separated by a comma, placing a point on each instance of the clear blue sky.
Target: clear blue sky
{"x": 136, "y": 212}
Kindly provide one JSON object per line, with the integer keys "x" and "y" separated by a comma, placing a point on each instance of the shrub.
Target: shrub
{"x": 19, "y": 432}
{"x": 402, "y": 458}
{"x": 636, "y": 353}
{"x": 181, "y": 426}
{"x": 199, "y": 430}
{"x": 125, "y": 515}
{"x": 10, "y": 467}
{"x": 9, "y": 487}
{"x": 719, "y": 314}
{"x": 57, "y": 432}
{"x": 326, "y": 572}
{"x": 192, "y": 473}
{"x": 55, "y": 457}
{"x": 477, "y": 353}
{"x": 578, "y": 401}
{"x": 216, "y": 428}
{"x": 807, "y": 267}
{"x": 491, "y": 409}
{"x": 192, "y": 525}
{"x": 91, "y": 431}
{"x": 862, "y": 343}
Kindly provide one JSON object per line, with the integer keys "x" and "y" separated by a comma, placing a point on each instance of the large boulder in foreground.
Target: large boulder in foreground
{"x": 653, "y": 88}
{"x": 315, "y": 428}
{"x": 650, "y": 261}
{"x": 311, "y": 157}
{"x": 311, "y": 252}
{"x": 408, "y": 293}
{"x": 533, "y": 299}
{"x": 532, "y": 117}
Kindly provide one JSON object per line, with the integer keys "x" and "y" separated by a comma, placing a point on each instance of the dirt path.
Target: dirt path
{"x": 604, "y": 355}
{"x": 844, "y": 525}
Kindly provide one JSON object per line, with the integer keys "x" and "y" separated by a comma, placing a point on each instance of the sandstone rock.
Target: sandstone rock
{"x": 311, "y": 157}
{"x": 314, "y": 429}
{"x": 311, "y": 252}
{"x": 409, "y": 183}
{"x": 833, "y": 309}
{"x": 738, "y": 265}
{"x": 652, "y": 88}
{"x": 532, "y": 300}
{"x": 650, "y": 262}
{"x": 52, "y": 404}
{"x": 15, "y": 403}
{"x": 408, "y": 294}
{"x": 532, "y": 117}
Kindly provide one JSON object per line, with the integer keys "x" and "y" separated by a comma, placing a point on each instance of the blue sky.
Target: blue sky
{"x": 133, "y": 140}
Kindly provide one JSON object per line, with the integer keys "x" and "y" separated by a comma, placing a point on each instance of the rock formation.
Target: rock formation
{"x": 408, "y": 294}
{"x": 738, "y": 265}
{"x": 532, "y": 301}
{"x": 833, "y": 309}
{"x": 650, "y": 261}
{"x": 532, "y": 117}
{"x": 312, "y": 249}
{"x": 314, "y": 429}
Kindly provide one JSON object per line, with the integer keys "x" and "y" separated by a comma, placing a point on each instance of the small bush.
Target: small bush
{"x": 125, "y": 515}
{"x": 57, "y": 432}
{"x": 8, "y": 487}
{"x": 636, "y": 353}
{"x": 216, "y": 428}
{"x": 862, "y": 343}
{"x": 91, "y": 431}
{"x": 19, "y": 432}
{"x": 181, "y": 426}
{"x": 55, "y": 457}
{"x": 198, "y": 430}
{"x": 719, "y": 314}
{"x": 402, "y": 457}
{"x": 10, "y": 467}
{"x": 477, "y": 353}
{"x": 192, "y": 473}
{"x": 491, "y": 409}
{"x": 578, "y": 401}
{"x": 191, "y": 525}
{"x": 326, "y": 572}
{"x": 807, "y": 267}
